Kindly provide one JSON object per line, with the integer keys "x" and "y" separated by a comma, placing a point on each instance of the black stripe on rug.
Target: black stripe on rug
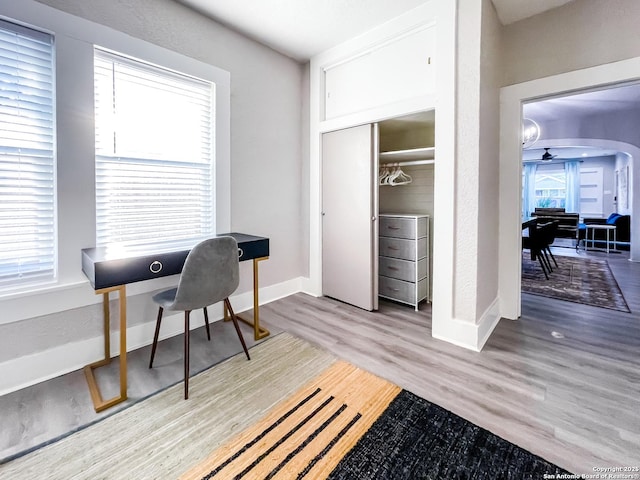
{"x": 415, "y": 439}
{"x": 264, "y": 433}
{"x": 328, "y": 447}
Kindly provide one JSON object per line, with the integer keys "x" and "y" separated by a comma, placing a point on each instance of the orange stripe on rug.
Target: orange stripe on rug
{"x": 306, "y": 435}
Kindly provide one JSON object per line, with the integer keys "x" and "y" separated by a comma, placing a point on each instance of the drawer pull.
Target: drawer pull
{"x": 390, "y": 247}
{"x": 240, "y": 252}
{"x": 393, "y": 268}
{"x": 155, "y": 267}
{"x": 394, "y": 289}
{"x": 393, "y": 228}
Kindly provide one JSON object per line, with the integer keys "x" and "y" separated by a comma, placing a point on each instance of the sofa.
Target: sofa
{"x": 623, "y": 230}
{"x": 567, "y": 222}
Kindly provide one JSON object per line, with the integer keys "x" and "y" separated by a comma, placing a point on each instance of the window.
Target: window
{"x": 154, "y": 155}
{"x": 27, "y": 169}
{"x": 550, "y": 189}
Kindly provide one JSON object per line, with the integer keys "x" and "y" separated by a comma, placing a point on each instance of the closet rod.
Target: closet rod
{"x": 408, "y": 163}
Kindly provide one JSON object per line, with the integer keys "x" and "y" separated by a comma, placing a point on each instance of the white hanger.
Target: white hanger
{"x": 398, "y": 177}
{"x": 393, "y": 177}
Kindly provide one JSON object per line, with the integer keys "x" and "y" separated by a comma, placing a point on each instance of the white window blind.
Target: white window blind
{"x": 27, "y": 173}
{"x": 154, "y": 155}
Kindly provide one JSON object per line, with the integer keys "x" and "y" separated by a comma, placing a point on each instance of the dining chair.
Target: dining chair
{"x": 548, "y": 232}
{"x": 535, "y": 243}
{"x": 209, "y": 275}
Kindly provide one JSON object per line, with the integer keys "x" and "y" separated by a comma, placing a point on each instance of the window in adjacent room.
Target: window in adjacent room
{"x": 27, "y": 162}
{"x": 550, "y": 189}
{"x": 155, "y": 172}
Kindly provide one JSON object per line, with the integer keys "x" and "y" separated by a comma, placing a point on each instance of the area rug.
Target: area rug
{"x": 576, "y": 279}
{"x": 349, "y": 424}
{"x": 164, "y": 435}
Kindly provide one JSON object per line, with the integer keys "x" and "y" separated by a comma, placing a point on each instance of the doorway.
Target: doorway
{"x": 512, "y": 100}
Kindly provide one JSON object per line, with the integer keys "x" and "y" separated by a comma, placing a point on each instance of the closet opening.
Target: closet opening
{"x": 406, "y": 164}
{"x": 377, "y": 212}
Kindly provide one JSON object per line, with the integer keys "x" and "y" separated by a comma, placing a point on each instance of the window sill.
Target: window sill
{"x": 49, "y": 299}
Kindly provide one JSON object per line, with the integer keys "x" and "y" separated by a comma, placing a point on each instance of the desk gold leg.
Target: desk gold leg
{"x": 258, "y": 331}
{"x": 98, "y": 403}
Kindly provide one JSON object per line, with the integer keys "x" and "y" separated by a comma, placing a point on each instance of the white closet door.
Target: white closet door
{"x": 349, "y": 207}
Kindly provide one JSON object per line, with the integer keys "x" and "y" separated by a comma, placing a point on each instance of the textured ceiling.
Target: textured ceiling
{"x": 573, "y": 108}
{"x": 510, "y": 11}
{"x": 613, "y": 99}
{"x": 303, "y": 28}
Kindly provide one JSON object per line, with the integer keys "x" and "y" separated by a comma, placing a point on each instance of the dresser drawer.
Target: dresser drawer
{"x": 402, "y": 248}
{"x": 398, "y": 227}
{"x": 402, "y": 291}
{"x": 403, "y": 227}
{"x": 402, "y": 269}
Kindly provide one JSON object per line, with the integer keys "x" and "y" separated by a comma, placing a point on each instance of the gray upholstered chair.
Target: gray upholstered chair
{"x": 209, "y": 275}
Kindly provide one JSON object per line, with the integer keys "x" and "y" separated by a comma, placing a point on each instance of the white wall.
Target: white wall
{"x": 475, "y": 199}
{"x": 623, "y": 162}
{"x": 265, "y": 179}
{"x": 607, "y": 164}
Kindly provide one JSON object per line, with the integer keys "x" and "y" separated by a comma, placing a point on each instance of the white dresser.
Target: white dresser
{"x": 403, "y": 266}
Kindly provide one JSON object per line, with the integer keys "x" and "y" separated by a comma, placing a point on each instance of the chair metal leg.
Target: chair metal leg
{"x": 545, "y": 259}
{"x": 235, "y": 324}
{"x": 544, "y": 270}
{"x": 155, "y": 337}
{"x": 552, "y": 257}
{"x": 206, "y": 323}
{"x": 186, "y": 354}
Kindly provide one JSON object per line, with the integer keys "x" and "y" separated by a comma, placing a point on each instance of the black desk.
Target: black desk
{"x": 109, "y": 272}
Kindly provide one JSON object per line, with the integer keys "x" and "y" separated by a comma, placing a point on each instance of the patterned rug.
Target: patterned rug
{"x": 581, "y": 280}
{"x": 348, "y": 424}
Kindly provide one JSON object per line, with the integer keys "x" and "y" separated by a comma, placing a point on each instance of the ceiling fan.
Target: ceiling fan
{"x": 546, "y": 156}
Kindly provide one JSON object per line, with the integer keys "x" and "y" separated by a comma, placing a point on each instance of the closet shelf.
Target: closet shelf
{"x": 414, "y": 154}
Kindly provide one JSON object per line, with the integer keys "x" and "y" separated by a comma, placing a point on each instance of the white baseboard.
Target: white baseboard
{"x": 471, "y": 336}
{"x": 28, "y": 370}
{"x": 488, "y": 322}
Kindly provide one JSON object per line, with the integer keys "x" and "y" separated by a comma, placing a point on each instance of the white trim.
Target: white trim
{"x": 395, "y": 36}
{"x": 27, "y": 370}
{"x": 487, "y": 323}
{"x": 511, "y": 100}
{"x": 444, "y": 228}
{"x": 377, "y": 114}
{"x": 471, "y": 336}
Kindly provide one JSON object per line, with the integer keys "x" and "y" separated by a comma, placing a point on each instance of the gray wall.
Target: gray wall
{"x": 580, "y": 34}
{"x": 267, "y": 121}
{"x": 620, "y": 126}
{"x": 488, "y": 174}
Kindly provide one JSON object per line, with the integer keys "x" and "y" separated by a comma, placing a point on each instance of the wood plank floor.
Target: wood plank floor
{"x": 48, "y": 410}
{"x": 562, "y": 382}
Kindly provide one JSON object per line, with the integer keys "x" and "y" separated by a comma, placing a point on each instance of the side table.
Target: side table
{"x": 593, "y": 228}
